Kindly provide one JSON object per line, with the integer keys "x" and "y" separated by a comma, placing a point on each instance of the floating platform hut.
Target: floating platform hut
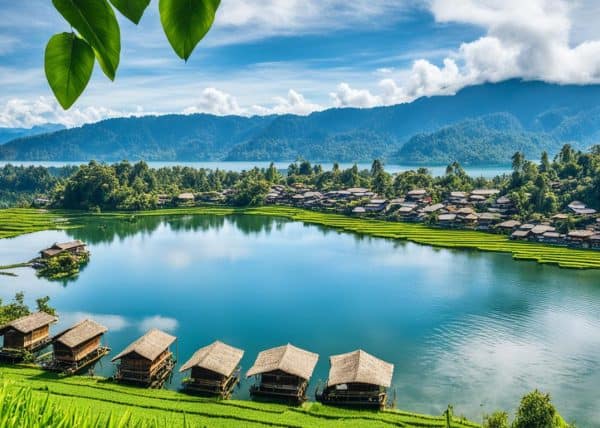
{"x": 78, "y": 347}
{"x": 30, "y": 333}
{"x": 73, "y": 247}
{"x": 148, "y": 361}
{"x": 357, "y": 379}
{"x": 215, "y": 370}
{"x": 283, "y": 373}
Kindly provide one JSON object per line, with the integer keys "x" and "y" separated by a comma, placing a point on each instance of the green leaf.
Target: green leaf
{"x": 68, "y": 62}
{"x": 132, "y": 9}
{"x": 186, "y": 22}
{"x": 96, "y": 22}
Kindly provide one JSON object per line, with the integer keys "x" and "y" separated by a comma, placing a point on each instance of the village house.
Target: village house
{"x": 485, "y": 221}
{"x": 376, "y": 205}
{"x": 27, "y": 334}
{"x": 215, "y": 370}
{"x": 508, "y": 226}
{"x": 357, "y": 379}
{"x": 580, "y": 238}
{"x": 78, "y": 347}
{"x": 579, "y": 208}
{"x": 447, "y": 220}
{"x": 434, "y": 208}
{"x": 359, "y": 210}
{"x": 148, "y": 361}
{"x": 283, "y": 373}
{"x": 418, "y": 195}
{"x": 185, "y": 198}
{"x": 73, "y": 247}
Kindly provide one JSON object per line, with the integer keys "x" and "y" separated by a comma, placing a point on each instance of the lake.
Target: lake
{"x": 437, "y": 170}
{"x": 477, "y": 330}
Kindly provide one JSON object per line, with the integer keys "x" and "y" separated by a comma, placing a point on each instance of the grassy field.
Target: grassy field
{"x": 162, "y": 408}
{"x": 17, "y": 221}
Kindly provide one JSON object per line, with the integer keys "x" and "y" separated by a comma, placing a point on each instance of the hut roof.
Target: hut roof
{"x": 509, "y": 224}
{"x": 29, "y": 323}
{"x": 359, "y": 367}
{"x": 80, "y": 333}
{"x": 216, "y": 357}
{"x": 288, "y": 359}
{"x": 149, "y": 346}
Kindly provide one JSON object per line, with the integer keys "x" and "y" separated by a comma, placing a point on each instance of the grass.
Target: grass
{"x": 18, "y": 221}
{"x": 89, "y": 400}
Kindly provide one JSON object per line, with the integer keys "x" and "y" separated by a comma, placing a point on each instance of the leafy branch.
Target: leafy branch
{"x": 69, "y": 57}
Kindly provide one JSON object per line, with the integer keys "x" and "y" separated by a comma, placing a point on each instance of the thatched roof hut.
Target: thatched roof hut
{"x": 59, "y": 248}
{"x": 150, "y": 346}
{"x": 28, "y": 333}
{"x": 216, "y": 357}
{"x": 80, "y": 333}
{"x": 29, "y": 323}
{"x": 288, "y": 359}
{"x": 359, "y": 367}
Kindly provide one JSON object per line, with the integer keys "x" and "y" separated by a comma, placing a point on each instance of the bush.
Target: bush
{"x": 496, "y": 420}
{"x": 535, "y": 411}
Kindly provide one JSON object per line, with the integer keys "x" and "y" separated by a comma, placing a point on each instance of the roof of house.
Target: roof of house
{"x": 460, "y": 195}
{"x": 57, "y": 248}
{"x": 509, "y": 224}
{"x": 359, "y": 367}
{"x": 186, "y": 196}
{"x": 520, "y": 233}
{"x": 288, "y": 359}
{"x": 417, "y": 192}
{"x": 29, "y": 323}
{"x": 485, "y": 192}
{"x": 216, "y": 357}
{"x": 447, "y": 217}
{"x": 581, "y": 233}
{"x": 433, "y": 208}
{"x": 357, "y": 210}
{"x": 503, "y": 200}
{"x": 541, "y": 229}
{"x": 149, "y": 346}
{"x": 80, "y": 333}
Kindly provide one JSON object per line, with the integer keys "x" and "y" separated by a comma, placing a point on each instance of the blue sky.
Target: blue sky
{"x": 299, "y": 56}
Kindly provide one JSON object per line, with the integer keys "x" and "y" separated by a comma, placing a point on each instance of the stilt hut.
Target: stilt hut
{"x": 283, "y": 373}
{"x": 148, "y": 361}
{"x": 215, "y": 370}
{"x": 78, "y": 347}
{"x": 357, "y": 379}
{"x": 27, "y": 334}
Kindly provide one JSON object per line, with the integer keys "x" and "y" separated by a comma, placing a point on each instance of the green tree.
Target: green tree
{"x": 496, "y": 420}
{"x": 535, "y": 411}
{"x": 43, "y": 306}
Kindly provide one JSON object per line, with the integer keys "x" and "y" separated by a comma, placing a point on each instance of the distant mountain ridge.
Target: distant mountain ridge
{"x": 7, "y": 134}
{"x": 480, "y": 124}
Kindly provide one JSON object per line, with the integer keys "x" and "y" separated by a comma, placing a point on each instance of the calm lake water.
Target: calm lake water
{"x": 477, "y": 330}
{"x": 478, "y": 171}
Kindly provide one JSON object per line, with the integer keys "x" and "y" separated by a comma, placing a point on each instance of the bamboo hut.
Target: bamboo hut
{"x": 283, "y": 373}
{"x": 215, "y": 370}
{"x": 148, "y": 361}
{"x": 357, "y": 379}
{"x": 30, "y": 333}
{"x": 78, "y": 347}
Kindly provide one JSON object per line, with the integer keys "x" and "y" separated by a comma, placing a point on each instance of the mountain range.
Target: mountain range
{"x": 480, "y": 124}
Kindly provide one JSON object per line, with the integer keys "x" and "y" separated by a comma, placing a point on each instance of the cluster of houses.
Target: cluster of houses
{"x": 282, "y": 373}
{"x": 480, "y": 209}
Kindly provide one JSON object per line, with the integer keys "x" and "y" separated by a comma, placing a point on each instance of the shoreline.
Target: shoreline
{"x": 21, "y": 221}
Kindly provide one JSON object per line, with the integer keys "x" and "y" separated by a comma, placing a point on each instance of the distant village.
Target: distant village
{"x": 481, "y": 209}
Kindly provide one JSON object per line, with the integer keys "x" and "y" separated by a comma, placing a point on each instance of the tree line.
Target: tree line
{"x": 538, "y": 188}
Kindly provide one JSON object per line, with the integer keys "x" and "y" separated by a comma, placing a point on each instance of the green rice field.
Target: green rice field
{"x": 91, "y": 402}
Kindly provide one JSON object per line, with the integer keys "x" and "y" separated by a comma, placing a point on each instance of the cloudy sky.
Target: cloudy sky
{"x": 299, "y": 56}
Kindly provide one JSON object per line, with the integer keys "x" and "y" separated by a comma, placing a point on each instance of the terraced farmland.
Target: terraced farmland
{"x": 161, "y": 408}
{"x": 18, "y": 221}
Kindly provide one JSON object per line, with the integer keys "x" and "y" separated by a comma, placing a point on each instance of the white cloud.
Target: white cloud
{"x": 216, "y": 102}
{"x": 159, "y": 322}
{"x": 244, "y": 20}
{"x": 295, "y": 103}
{"x": 20, "y": 113}
{"x": 346, "y": 96}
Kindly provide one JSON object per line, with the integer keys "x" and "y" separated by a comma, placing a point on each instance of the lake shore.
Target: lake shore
{"x": 159, "y": 408}
{"x": 14, "y": 222}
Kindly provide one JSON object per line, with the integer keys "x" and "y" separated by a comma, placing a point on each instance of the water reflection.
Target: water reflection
{"x": 470, "y": 328}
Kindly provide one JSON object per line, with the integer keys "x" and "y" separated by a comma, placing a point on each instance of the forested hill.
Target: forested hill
{"x": 7, "y": 134}
{"x": 479, "y": 124}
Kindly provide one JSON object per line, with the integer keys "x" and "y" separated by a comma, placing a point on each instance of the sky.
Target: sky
{"x": 299, "y": 56}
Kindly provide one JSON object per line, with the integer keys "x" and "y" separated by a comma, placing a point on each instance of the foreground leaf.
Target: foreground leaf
{"x": 132, "y": 9}
{"x": 96, "y": 22}
{"x": 186, "y": 22}
{"x": 68, "y": 62}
